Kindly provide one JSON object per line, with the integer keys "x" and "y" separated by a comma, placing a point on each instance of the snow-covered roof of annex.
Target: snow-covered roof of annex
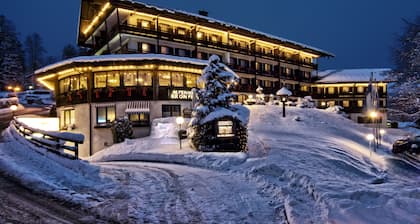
{"x": 353, "y": 75}
{"x": 287, "y": 42}
{"x": 122, "y": 58}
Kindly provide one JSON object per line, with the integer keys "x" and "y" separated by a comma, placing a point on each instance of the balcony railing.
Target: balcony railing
{"x": 110, "y": 94}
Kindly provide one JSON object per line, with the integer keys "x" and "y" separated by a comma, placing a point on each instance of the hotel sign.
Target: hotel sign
{"x": 181, "y": 95}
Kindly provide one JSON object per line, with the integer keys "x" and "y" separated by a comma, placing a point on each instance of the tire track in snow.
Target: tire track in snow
{"x": 180, "y": 194}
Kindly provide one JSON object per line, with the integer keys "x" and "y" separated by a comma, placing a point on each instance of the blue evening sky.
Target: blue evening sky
{"x": 359, "y": 32}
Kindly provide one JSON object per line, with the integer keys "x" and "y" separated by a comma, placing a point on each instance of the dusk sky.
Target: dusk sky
{"x": 359, "y": 32}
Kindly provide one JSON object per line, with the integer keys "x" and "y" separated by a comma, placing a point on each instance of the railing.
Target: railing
{"x": 62, "y": 143}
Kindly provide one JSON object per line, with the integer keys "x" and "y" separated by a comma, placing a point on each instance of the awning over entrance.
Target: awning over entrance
{"x": 138, "y": 107}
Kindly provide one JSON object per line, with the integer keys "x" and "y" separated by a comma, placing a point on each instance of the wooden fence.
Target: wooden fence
{"x": 62, "y": 143}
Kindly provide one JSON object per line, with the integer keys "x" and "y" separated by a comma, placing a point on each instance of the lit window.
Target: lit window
{"x": 139, "y": 119}
{"x": 360, "y": 103}
{"x": 145, "y": 24}
{"x": 346, "y": 89}
{"x": 130, "y": 78}
{"x": 331, "y": 90}
{"x": 100, "y": 80}
{"x": 64, "y": 85}
{"x": 165, "y": 28}
{"x": 145, "y": 78}
{"x": 177, "y": 79}
{"x": 67, "y": 118}
{"x": 105, "y": 115}
{"x": 74, "y": 83}
{"x": 181, "y": 31}
{"x": 200, "y": 35}
{"x": 360, "y": 89}
{"x": 83, "y": 82}
{"x": 145, "y": 48}
{"x": 164, "y": 79}
{"x": 113, "y": 79}
{"x": 225, "y": 129}
{"x": 214, "y": 38}
{"x": 346, "y": 103}
{"x": 191, "y": 80}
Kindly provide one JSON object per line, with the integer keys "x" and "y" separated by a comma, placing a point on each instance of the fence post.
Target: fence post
{"x": 76, "y": 152}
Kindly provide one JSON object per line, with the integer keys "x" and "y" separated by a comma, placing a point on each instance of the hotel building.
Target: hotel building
{"x": 145, "y": 61}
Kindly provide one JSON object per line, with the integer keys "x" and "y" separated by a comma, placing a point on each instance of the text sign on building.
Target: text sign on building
{"x": 181, "y": 95}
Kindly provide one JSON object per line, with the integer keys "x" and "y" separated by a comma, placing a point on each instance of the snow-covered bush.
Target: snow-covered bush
{"x": 306, "y": 102}
{"x": 121, "y": 129}
{"x": 215, "y": 103}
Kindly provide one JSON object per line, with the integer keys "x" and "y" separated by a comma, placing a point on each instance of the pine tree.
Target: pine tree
{"x": 404, "y": 97}
{"x": 11, "y": 55}
{"x": 214, "y": 98}
{"x": 34, "y": 52}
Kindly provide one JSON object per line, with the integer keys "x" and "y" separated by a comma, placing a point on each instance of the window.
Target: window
{"x": 331, "y": 90}
{"x": 100, "y": 80}
{"x": 146, "y": 48}
{"x": 145, "y": 78}
{"x": 166, "y": 50}
{"x": 191, "y": 80}
{"x": 130, "y": 78}
{"x": 105, "y": 115}
{"x": 360, "y": 103}
{"x": 177, "y": 79}
{"x": 181, "y": 31}
{"x": 360, "y": 89}
{"x": 67, "y": 118}
{"x": 139, "y": 119}
{"x": 200, "y": 35}
{"x": 113, "y": 79}
{"x": 171, "y": 110}
{"x": 346, "y": 89}
{"x": 164, "y": 79}
{"x": 225, "y": 129}
{"x": 83, "y": 82}
{"x": 74, "y": 83}
{"x": 346, "y": 103}
{"x": 165, "y": 28}
{"x": 64, "y": 85}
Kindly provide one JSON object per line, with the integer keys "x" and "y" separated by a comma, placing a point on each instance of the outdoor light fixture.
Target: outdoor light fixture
{"x": 370, "y": 138}
{"x": 323, "y": 104}
{"x": 180, "y": 121}
{"x": 284, "y": 93}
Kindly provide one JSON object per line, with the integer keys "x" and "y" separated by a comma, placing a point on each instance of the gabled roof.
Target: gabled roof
{"x": 353, "y": 75}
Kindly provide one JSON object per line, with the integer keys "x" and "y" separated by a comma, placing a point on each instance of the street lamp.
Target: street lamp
{"x": 284, "y": 93}
{"x": 13, "y": 108}
{"x": 381, "y": 134}
{"x": 374, "y": 116}
{"x": 180, "y": 121}
{"x": 370, "y": 138}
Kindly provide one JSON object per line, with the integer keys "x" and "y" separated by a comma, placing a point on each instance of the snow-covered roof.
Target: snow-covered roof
{"x": 241, "y": 113}
{"x": 230, "y": 25}
{"x": 122, "y": 57}
{"x": 284, "y": 92}
{"x": 352, "y": 75}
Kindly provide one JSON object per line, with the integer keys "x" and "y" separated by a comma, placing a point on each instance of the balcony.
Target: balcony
{"x": 71, "y": 98}
{"x": 111, "y": 94}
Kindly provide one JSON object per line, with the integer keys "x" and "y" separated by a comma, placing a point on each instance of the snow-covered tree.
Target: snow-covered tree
{"x": 214, "y": 102}
{"x": 34, "y": 52}
{"x": 122, "y": 129}
{"x": 404, "y": 94}
{"x": 11, "y": 55}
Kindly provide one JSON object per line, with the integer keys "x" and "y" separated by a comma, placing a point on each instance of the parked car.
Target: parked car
{"x": 410, "y": 144}
{"x": 39, "y": 96}
{"x": 7, "y": 99}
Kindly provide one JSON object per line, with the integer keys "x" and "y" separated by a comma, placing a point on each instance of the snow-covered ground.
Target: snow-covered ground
{"x": 315, "y": 169}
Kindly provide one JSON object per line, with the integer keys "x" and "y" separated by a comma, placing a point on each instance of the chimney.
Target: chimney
{"x": 203, "y": 13}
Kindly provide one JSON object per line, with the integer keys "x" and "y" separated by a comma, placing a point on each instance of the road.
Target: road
{"x": 21, "y": 205}
{"x": 168, "y": 193}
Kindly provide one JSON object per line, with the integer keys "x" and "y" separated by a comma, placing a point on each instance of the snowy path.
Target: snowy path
{"x": 180, "y": 194}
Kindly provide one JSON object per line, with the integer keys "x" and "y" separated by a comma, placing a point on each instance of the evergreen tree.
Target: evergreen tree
{"x": 11, "y": 55}
{"x": 404, "y": 97}
{"x": 34, "y": 52}
{"x": 214, "y": 101}
{"x": 69, "y": 51}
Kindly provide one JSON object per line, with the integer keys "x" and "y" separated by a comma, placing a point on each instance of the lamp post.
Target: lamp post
{"x": 381, "y": 134}
{"x": 374, "y": 115}
{"x": 180, "y": 121}
{"x": 284, "y": 93}
{"x": 370, "y": 138}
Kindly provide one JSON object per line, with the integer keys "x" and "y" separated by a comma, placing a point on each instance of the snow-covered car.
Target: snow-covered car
{"x": 410, "y": 144}
{"x": 39, "y": 97}
{"x": 8, "y": 98}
